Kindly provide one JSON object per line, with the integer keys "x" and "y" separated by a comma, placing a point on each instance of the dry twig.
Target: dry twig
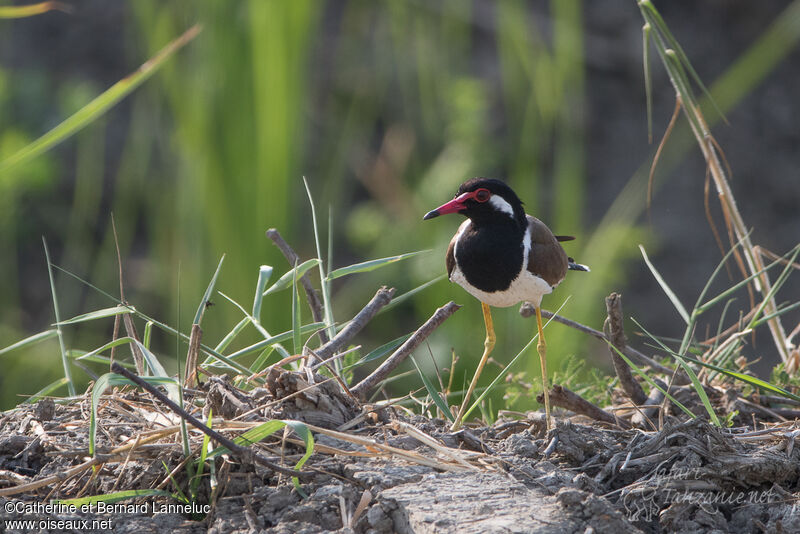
{"x": 405, "y": 349}
{"x": 311, "y": 294}
{"x": 381, "y": 299}
{"x": 615, "y": 333}
{"x": 561, "y": 396}
{"x": 527, "y": 310}
{"x": 243, "y": 453}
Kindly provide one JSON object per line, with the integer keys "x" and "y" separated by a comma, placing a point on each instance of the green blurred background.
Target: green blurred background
{"x": 385, "y": 107}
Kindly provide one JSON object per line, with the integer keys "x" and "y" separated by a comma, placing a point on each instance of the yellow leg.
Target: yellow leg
{"x": 488, "y": 345}
{"x": 541, "y": 348}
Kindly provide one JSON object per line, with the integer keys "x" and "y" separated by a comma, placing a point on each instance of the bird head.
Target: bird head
{"x": 483, "y": 199}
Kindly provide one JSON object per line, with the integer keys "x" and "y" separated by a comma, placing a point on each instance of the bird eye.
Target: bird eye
{"x": 482, "y": 195}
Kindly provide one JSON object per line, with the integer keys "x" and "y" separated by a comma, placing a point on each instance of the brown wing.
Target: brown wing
{"x": 546, "y": 259}
{"x": 450, "y": 257}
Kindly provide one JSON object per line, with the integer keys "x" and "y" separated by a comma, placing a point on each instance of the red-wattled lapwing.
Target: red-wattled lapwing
{"x": 502, "y": 256}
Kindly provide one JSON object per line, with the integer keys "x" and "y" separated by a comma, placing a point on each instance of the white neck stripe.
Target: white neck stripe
{"x": 502, "y": 205}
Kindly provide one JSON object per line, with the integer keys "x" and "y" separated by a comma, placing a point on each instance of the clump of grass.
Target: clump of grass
{"x": 219, "y": 358}
{"x": 749, "y": 257}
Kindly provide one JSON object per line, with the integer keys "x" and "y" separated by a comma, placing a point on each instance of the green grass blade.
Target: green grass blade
{"x": 324, "y": 285}
{"x": 173, "y": 391}
{"x": 103, "y": 383}
{"x": 285, "y": 281}
{"x": 437, "y": 398}
{"x": 665, "y": 287}
{"x": 721, "y": 324}
{"x": 652, "y": 382}
{"x": 371, "y": 265}
{"x": 31, "y": 10}
{"x": 379, "y": 352}
{"x": 28, "y": 341}
{"x": 752, "y": 380}
{"x": 776, "y": 313}
{"x": 698, "y": 386}
{"x": 280, "y": 338}
{"x": 198, "y": 316}
{"x": 194, "y": 483}
{"x": 408, "y": 294}
{"x": 47, "y": 390}
{"x": 258, "y": 363}
{"x": 230, "y": 336}
{"x": 85, "y": 356}
{"x": 648, "y": 79}
{"x": 62, "y": 346}
{"x": 99, "y": 105}
{"x": 98, "y": 314}
{"x": 718, "y": 269}
{"x": 164, "y": 327}
{"x": 728, "y": 292}
{"x": 655, "y": 17}
{"x": 117, "y": 496}
{"x": 787, "y": 270}
{"x": 256, "y": 434}
{"x": 264, "y": 274}
{"x": 148, "y": 334}
{"x": 115, "y": 343}
{"x": 296, "y": 319}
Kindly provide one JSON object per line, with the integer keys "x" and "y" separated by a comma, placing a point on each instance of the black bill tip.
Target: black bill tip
{"x": 431, "y": 214}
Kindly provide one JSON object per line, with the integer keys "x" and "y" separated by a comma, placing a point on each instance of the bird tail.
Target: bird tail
{"x": 572, "y": 266}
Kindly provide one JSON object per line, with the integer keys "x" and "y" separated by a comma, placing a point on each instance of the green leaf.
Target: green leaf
{"x": 648, "y": 7}
{"x": 296, "y": 318}
{"x": 437, "y": 398}
{"x": 648, "y": 79}
{"x": 117, "y": 496}
{"x": 158, "y": 370}
{"x": 380, "y": 352}
{"x": 98, "y": 314}
{"x": 256, "y": 434}
{"x": 57, "y": 313}
{"x": 696, "y": 384}
{"x": 85, "y": 356}
{"x": 371, "y": 265}
{"x": 99, "y": 105}
{"x": 650, "y": 381}
{"x": 396, "y": 301}
{"x": 116, "y": 343}
{"x": 194, "y": 484}
{"x": 165, "y": 327}
{"x": 47, "y": 390}
{"x": 325, "y": 287}
{"x": 30, "y": 10}
{"x": 148, "y": 333}
{"x": 109, "y": 380}
{"x": 279, "y": 338}
{"x": 32, "y": 340}
{"x": 207, "y": 295}
{"x": 672, "y": 297}
{"x": 752, "y": 380}
{"x": 230, "y": 336}
{"x": 286, "y": 280}
{"x": 264, "y": 274}
{"x": 725, "y": 294}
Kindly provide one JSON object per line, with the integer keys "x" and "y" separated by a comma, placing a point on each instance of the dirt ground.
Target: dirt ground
{"x": 390, "y": 472}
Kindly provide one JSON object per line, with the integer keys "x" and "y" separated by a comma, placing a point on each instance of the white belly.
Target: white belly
{"x": 526, "y": 286}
